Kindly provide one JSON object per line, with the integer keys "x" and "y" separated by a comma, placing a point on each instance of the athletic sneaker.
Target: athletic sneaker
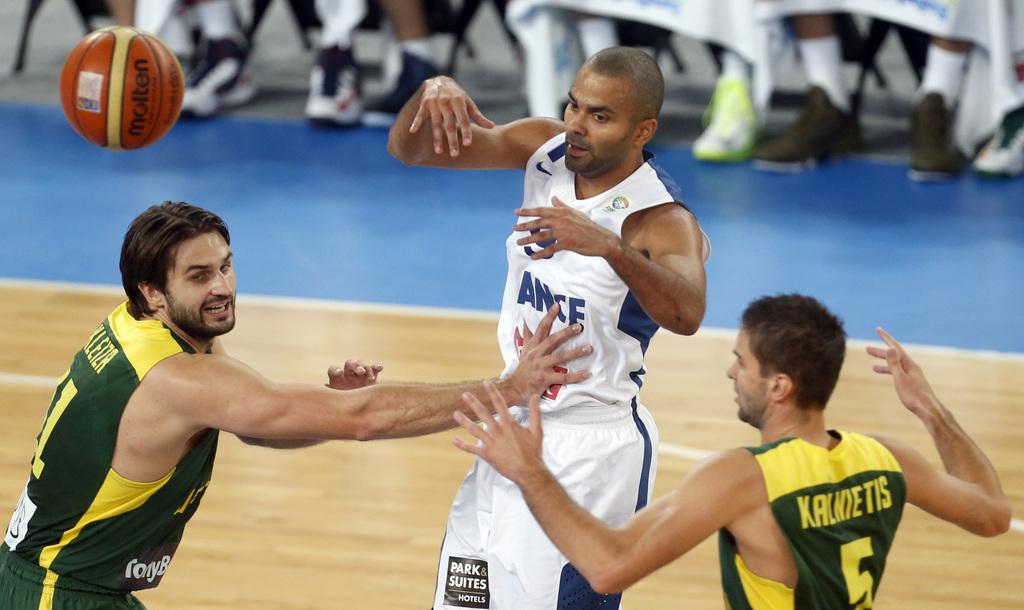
{"x": 731, "y": 125}
{"x": 219, "y": 79}
{"x": 821, "y": 130}
{"x": 1003, "y": 156}
{"x": 414, "y": 72}
{"x": 932, "y": 153}
{"x": 335, "y": 89}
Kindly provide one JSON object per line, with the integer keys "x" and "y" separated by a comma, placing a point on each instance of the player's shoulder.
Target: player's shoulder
{"x": 182, "y": 374}
{"x": 901, "y": 450}
{"x": 737, "y": 464}
{"x": 534, "y": 136}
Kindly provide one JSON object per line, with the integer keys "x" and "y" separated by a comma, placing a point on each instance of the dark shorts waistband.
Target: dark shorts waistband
{"x": 21, "y": 568}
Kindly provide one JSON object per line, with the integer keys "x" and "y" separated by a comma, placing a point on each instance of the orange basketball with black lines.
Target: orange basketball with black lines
{"x": 121, "y": 88}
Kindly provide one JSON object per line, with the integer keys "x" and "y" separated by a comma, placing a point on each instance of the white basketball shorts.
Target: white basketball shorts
{"x": 495, "y": 555}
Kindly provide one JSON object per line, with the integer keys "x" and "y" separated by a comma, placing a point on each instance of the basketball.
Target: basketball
{"x": 121, "y": 88}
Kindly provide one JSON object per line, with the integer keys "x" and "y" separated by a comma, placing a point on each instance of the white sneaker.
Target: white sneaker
{"x": 335, "y": 90}
{"x": 731, "y": 124}
{"x": 1003, "y": 156}
{"x": 218, "y": 81}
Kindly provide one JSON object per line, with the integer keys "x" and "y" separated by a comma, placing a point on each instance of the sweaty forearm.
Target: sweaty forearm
{"x": 673, "y": 301}
{"x": 961, "y": 457}
{"x": 406, "y": 410}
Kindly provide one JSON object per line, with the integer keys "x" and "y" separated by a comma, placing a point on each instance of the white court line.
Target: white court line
{"x": 32, "y": 381}
{"x": 679, "y": 451}
{"x": 471, "y": 314}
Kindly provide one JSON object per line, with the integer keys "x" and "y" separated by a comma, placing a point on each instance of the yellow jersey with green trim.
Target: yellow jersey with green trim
{"x": 838, "y": 509}
{"x": 79, "y": 518}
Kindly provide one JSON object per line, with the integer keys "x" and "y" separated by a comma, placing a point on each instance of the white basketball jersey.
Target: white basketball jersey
{"x": 587, "y": 288}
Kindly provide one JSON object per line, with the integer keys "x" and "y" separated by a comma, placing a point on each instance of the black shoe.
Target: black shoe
{"x": 414, "y": 72}
{"x": 219, "y": 79}
{"x": 335, "y": 90}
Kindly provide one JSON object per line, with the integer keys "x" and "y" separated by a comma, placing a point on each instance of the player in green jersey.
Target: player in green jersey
{"x": 128, "y": 444}
{"x": 806, "y": 519}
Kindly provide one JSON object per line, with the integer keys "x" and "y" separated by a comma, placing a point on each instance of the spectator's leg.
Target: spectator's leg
{"x": 335, "y": 87}
{"x": 168, "y": 19}
{"x": 731, "y": 124}
{"x": 596, "y": 33}
{"x": 825, "y": 126}
{"x": 822, "y": 57}
{"x": 413, "y": 33}
{"x": 1003, "y": 156}
{"x": 933, "y": 156}
{"x": 219, "y": 79}
{"x": 123, "y": 11}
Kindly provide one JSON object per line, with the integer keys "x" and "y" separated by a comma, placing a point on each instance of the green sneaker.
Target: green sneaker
{"x": 1003, "y": 156}
{"x": 731, "y": 125}
{"x": 821, "y": 130}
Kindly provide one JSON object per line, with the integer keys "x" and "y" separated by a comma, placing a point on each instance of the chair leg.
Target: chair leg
{"x": 30, "y": 14}
{"x": 259, "y": 9}
{"x": 870, "y": 46}
{"x": 915, "y": 45}
{"x": 87, "y": 9}
{"x": 304, "y": 15}
{"x": 466, "y": 14}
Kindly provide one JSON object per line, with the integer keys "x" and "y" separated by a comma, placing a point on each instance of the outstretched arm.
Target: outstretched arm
{"x": 213, "y": 391}
{"x": 440, "y": 126}
{"x": 968, "y": 493}
{"x": 714, "y": 494}
{"x": 352, "y": 375}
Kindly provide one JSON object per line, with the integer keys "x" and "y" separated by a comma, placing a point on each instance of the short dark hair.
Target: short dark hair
{"x": 647, "y": 90}
{"x": 798, "y": 336}
{"x": 151, "y": 242}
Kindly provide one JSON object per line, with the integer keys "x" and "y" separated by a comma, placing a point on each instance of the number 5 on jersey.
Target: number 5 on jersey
{"x": 858, "y": 584}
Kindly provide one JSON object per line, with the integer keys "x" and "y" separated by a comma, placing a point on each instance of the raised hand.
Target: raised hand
{"x": 562, "y": 227}
{"x": 538, "y": 360}
{"x": 451, "y": 112}
{"x": 512, "y": 449}
{"x": 354, "y": 374}
{"x": 912, "y": 387}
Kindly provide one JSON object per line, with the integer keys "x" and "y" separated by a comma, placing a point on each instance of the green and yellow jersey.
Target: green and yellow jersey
{"x": 78, "y": 518}
{"x": 838, "y": 509}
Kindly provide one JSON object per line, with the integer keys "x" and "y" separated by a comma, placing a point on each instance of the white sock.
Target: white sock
{"x": 943, "y": 74}
{"x": 175, "y": 33}
{"x": 734, "y": 66}
{"x": 823, "y": 63}
{"x": 420, "y": 48}
{"x": 597, "y": 34}
{"x": 217, "y": 20}
{"x": 340, "y": 18}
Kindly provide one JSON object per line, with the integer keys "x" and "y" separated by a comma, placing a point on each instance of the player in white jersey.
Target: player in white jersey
{"x": 602, "y": 235}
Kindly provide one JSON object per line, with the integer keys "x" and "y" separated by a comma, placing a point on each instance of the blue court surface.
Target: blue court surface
{"x": 329, "y": 215}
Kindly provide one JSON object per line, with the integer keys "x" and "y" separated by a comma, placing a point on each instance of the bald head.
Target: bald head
{"x": 647, "y": 86}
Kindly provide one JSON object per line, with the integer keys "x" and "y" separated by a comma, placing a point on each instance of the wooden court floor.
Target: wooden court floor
{"x": 358, "y": 525}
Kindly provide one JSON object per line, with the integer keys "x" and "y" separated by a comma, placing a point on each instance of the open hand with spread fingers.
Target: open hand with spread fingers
{"x": 451, "y": 113}
{"x": 908, "y": 377}
{"x": 562, "y": 227}
{"x": 540, "y": 366}
{"x": 512, "y": 449}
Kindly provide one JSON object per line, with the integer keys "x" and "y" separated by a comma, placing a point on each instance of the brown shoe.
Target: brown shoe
{"x": 932, "y": 154}
{"x": 821, "y": 130}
